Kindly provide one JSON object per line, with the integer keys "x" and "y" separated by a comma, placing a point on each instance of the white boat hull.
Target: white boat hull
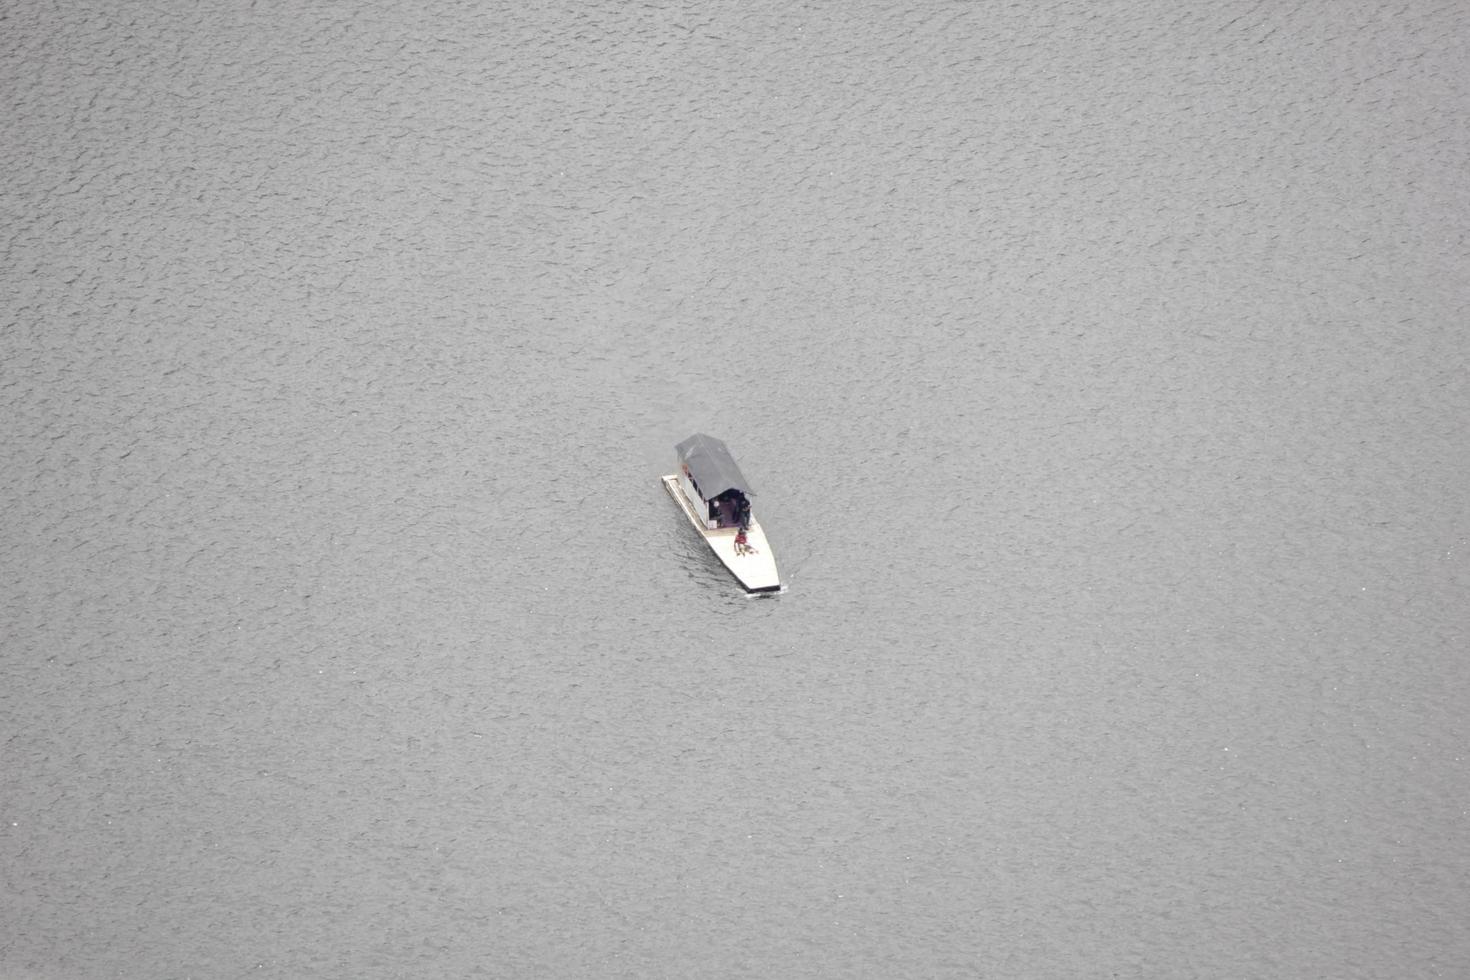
{"x": 755, "y": 571}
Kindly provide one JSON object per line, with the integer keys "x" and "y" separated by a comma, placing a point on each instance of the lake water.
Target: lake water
{"x": 1101, "y": 370}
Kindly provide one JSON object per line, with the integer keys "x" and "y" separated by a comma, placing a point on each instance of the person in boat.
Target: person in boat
{"x": 729, "y": 508}
{"x": 742, "y": 546}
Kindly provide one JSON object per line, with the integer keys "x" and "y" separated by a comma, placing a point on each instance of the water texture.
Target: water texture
{"x": 1101, "y": 369}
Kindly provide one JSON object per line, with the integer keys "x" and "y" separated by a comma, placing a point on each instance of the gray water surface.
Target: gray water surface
{"x": 1101, "y": 369}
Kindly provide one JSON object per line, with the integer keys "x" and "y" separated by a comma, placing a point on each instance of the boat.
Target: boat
{"x": 715, "y": 496}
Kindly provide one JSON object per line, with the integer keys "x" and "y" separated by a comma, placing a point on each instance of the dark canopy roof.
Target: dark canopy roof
{"x": 712, "y": 466}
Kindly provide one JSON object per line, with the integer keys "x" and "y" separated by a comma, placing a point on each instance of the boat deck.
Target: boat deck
{"x": 755, "y": 571}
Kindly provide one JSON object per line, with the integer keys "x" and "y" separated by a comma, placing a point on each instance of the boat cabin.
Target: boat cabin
{"x": 713, "y": 483}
